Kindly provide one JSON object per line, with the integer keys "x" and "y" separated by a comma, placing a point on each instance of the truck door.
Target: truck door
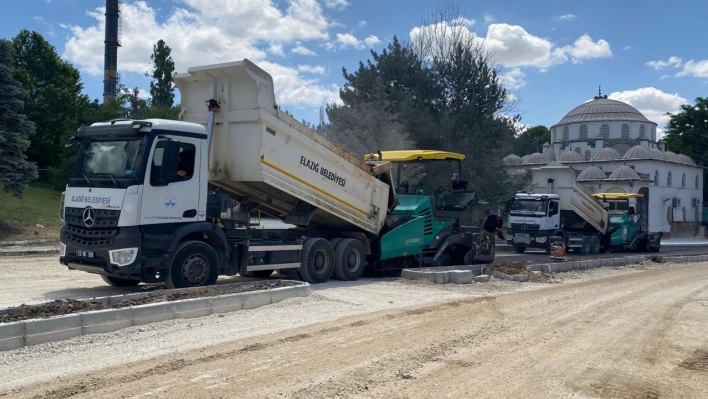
{"x": 178, "y": 201}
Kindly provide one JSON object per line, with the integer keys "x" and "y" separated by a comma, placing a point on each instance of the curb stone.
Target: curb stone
{"x": 25, "y": 242}
{"x": 36, "y": 331}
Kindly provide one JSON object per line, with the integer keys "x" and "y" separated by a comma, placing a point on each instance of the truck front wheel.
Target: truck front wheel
{"x": 317, "y": 262}
{"x": 194, "y": 264}
{"x": 119, "y": 282}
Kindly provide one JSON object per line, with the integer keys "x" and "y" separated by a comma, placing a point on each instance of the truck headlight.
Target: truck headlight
{"x": 123, "y": 257}
{"x": 62, "y": 249}
{"x": 61, "y": 206}
{"x": 540, "y": 240}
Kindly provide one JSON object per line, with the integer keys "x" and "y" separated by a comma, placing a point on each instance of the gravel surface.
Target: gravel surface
{"x": 387, "y": 338}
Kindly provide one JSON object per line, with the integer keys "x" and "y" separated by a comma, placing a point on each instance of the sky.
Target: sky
{"x": 553, "y": 55}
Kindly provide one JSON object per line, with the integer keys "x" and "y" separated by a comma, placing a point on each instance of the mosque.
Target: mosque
{"x": 613, "y": 147}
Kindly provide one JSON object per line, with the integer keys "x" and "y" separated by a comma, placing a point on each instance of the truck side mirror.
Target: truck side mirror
{"x": 170, "y": 161}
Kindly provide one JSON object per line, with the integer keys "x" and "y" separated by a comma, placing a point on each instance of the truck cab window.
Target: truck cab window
{"x": 185, "y": 170}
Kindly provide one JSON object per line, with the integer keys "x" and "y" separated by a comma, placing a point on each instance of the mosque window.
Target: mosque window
{"x": 656, "y": 178}
{"x": 587, "y": 155}
{"x": 669, "y": 215}
{"x": 642, "y": 132}
{"x": 577, "y": 149}
{"x": 683, "y": 181}
{"x": 697, "y": 182}
{"x": 668, "y": 180}
{"x": 583, "y": 132}
{"x": 566, "y": 134}
{"x": 625, "y": 131}
{"x": 605, "y": 131}
{"x": 554, "y": 135}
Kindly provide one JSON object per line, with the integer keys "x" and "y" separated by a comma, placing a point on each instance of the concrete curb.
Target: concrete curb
{"x": 522, "y": 278}
{"x": 28, "y": 251}
{"x": 26, "y": 242}
{"x": 36, "y": 331}
{"x": 463, "y": 274}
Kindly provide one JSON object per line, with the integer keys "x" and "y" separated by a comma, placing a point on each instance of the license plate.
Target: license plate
{"x": 523, "y": 238}
{"x": 84, "y": 254}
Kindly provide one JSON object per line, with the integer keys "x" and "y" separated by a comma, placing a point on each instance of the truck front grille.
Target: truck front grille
{"x": 521, "y": 226}
{"x": 101, "y": 233}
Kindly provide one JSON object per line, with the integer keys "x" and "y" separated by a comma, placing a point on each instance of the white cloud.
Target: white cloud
{"x": 361, "y": 24}
{"x": 568, "y": 17}
{"x": 302, "y": 50}
{"x": 371, "y": 41}
{"x": 488, "y": 18}
{"x": 659, "y": 65}
{"x": 348, "y": 40}
{"x": 651, "y": 102}
{"x": 585, "y": 48}
{"x": 336, "y": 4}
{"x": 513, "y": 46}
{"x": 626, "y": 48}
{"x": 276, "y": 48}
{"x": 696, "y": 69}
{"x": 514, "y": 79}
{"x": 317, "y": 70}
{"x": 204, "y": 33}
{"x": 38, "y": 18}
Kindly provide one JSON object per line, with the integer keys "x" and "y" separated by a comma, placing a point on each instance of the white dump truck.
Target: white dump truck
{"x": 170, "y": 201}
{"x": 589, "y": 223}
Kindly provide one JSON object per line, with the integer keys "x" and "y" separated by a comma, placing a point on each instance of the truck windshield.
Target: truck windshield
{"x": 117, "y": 157}
{"x": 528, "y": 207}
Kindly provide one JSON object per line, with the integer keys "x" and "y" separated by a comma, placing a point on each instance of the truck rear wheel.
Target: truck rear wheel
{"x": 317, "y": 262}
{"x": 119, "y": 282}
{"x": 194, "y": 264}
{"x": 349, "y": 260}
{"x": 595, "y": 245}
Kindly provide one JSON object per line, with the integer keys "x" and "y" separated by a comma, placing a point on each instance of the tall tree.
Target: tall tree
{"x": 162, "y": 88}
{"x": 687, "y": 133}
{"x": 531, "y": 140}
{"x": 15, "y": 170}
{"x": 53, "y": 87}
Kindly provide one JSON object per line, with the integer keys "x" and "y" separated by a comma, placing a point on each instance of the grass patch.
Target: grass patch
{"x": 19, "y": 217}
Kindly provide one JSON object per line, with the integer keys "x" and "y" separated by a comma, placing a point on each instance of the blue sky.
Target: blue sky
{"x": 553, "y": 54}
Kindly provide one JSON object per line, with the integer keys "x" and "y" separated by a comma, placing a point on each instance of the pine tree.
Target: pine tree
{"x": 162, "y": 89}
{"x": 15, "y": 171}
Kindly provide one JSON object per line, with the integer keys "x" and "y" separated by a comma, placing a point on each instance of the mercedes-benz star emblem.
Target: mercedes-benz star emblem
{"x": 89, "y": 217}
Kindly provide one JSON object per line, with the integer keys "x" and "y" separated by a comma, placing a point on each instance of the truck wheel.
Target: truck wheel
{"x": 349, "y": 260}
{"x": 317, "y": 262}
{"x": 586, "y": 247}
{"x": 519, "y": 249}
{"x": 262, "y": 273}
{"x": 595, "y": 245}
{"x": 119, "y": 282}
{"x": 194, "y": 264}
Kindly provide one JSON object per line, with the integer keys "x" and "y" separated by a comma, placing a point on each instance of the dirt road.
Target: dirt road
{"x": 633, "y": 335}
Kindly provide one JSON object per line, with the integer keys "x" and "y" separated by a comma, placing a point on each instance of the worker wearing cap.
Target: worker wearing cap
{"x": 458, "y": 186}
{"x": 493, "y": 224}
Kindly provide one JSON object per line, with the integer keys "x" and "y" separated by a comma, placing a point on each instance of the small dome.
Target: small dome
{"x": 686, "y": 159}
{"x": 550, "y": 154}
{"x": 592, "y": 173}
{"x": 639, "y": 152}
{"x": 621, "y": 148}
{"x": 624, "y": 173}
{"x": 658, "y": 154}
{"x": 512, "y": 159}
{"x": 536, "y": 159}
{"x": 570, "y": 156}
{"x": 555, "y": 163}
{"x": 671, "y": 157}
{"x": 607, "y": 154}
{"x": 525, "y": 157}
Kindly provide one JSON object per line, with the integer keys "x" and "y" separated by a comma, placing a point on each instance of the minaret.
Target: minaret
{"x": 110, "y": 57}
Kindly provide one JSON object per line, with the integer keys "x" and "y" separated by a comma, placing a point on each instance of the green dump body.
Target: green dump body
{"x": 418, "y": 232}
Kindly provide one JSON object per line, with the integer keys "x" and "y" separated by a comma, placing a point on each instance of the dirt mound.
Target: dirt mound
{"x": 509, "y": 268}
{"x": 69, "y": 306}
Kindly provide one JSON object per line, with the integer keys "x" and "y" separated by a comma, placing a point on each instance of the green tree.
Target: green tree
{"x": 53, "y": 99}
{"x": 531, "y": 140}
{"x": 687, "y": 133}
{"x": 162, "y": 89}
{"x": 15, "y": 170}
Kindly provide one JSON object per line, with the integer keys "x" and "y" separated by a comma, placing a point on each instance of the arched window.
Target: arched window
{"x": 625, "y": 131}
{"x": 587, "y": 155}
{"x": 683, "y": 181}
{"x": 605, "y": 131}
{"x": 656, "y": 178}
{"x": 577, "y": 149}
{"x": 669, "y": 215}
{"x": 566, "y": 134}
{"x": 697, "y": 181}
{"x": 583, "y": 132}
{"x": 642, "y": 132}
{"x": 554, "y": 135}
{"x": 668, "y": 180}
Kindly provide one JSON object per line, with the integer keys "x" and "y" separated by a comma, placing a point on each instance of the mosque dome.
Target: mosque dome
{"x": 512, "y": 159}
{"x": 571, "y": 156}
{"x": 536, "y": 159}
{"x": 607, "y": 154}
{"x": 592, "y": 173}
